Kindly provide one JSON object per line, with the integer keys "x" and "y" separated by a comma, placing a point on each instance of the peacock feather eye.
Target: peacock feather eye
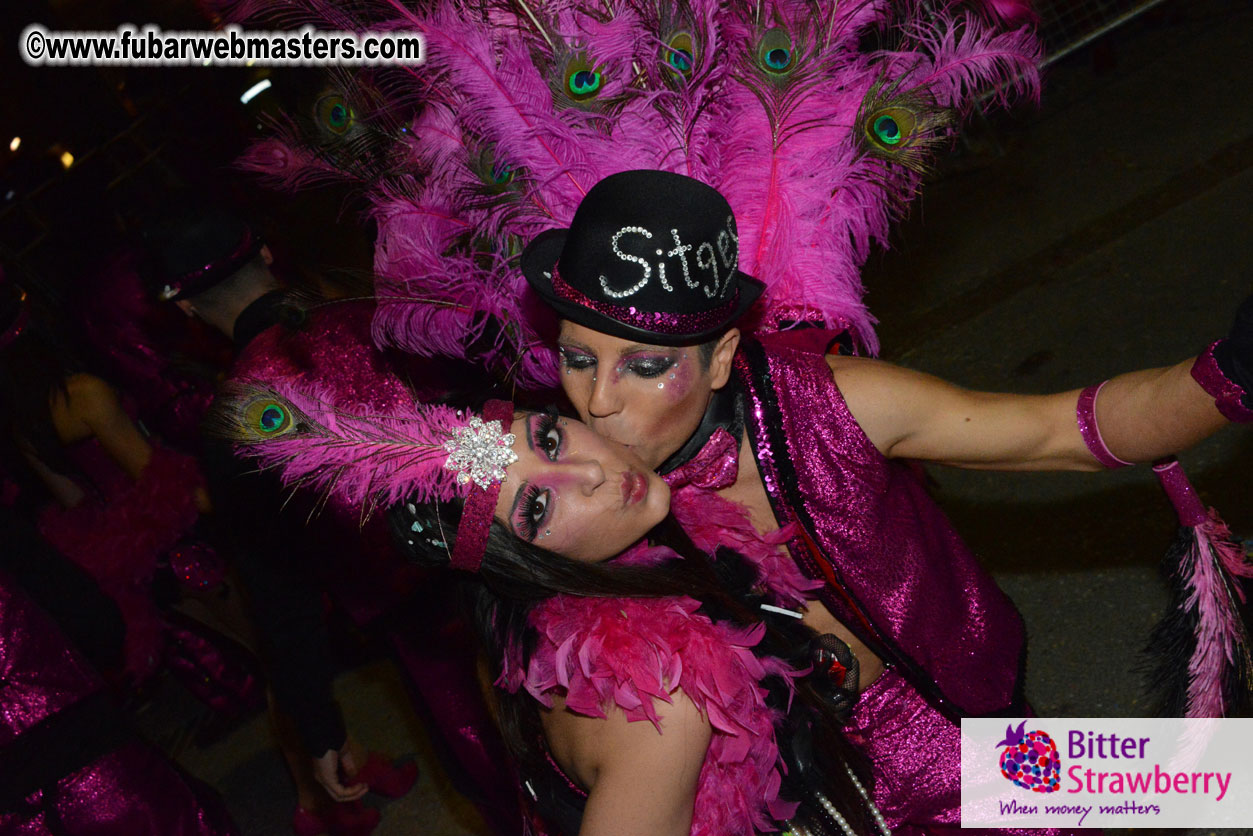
{"x": 891, "y": 126}
{"x": 273, "y": 419}
{"x": 580, "y": 79}
{"x": 886, "y": 129}
{"x": 268, "y": 417}
{"x": 680, "y": 53}
{"x": 335, "y": 113}
{"x": 495, "y": 174}
{"x": 583, "y": 84}
{"x": 775, "y": 53}
{"x": 502, "y": 174}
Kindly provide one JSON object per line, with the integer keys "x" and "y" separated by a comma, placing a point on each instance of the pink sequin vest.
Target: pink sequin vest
{"x": 903, "y": 580}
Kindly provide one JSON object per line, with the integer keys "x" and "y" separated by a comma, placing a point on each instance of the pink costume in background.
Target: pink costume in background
{"x": 123, "y": 789}
{"x": 151, "y": 351}
{"x": 120, "y": 530}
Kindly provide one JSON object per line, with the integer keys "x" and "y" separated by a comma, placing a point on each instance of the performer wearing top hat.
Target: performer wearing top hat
{"x": 214, "y": 266}
{"x": 783, "y": 440}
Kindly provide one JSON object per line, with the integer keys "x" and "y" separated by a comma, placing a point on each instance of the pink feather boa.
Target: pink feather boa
{"x": 600, "y": 652}
{"x": 712, "y": 521}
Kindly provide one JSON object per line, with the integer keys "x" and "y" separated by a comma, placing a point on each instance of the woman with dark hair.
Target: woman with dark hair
{"x": 595, "y": 614}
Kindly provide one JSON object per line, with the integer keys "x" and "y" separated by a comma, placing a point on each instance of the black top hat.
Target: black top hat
{"x": 195, "y": 248}
{"x": 649, "y": 256}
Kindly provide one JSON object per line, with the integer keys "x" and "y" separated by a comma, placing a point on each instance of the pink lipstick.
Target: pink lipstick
{"x": 634, "y": 487}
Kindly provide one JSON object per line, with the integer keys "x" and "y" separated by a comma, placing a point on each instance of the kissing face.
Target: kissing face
{"x": 576, "y": 493}
{"x": 650, "y": 398}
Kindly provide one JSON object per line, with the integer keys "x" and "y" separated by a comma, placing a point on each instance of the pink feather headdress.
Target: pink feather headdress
{"x": 817, "y": 143}
{"x": 423, "y": 452}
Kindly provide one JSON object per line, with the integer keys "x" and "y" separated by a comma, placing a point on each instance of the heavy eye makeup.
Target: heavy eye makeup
{"x": 531, "y": 511}
{"x": 532, "y": 506}
{"x": 573, "y": 358}
{"x": 546, "y": 435}
{"x": 649, "y": 365}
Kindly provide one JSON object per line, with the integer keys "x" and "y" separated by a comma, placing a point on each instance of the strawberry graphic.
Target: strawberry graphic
{"x": 1030, "y": 759}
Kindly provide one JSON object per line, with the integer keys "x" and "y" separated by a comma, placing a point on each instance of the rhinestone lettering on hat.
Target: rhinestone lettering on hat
{"x": 648, "y": 269}
{"x": 723, "y": 246}
{"x": 680, "y": 249}
{"x": 711, "y": 290}
{"x": 661, "y": 270}
{"x": 480, "y": 452}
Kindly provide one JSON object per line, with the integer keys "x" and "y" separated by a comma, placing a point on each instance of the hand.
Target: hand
{"x": 327, "y": 771}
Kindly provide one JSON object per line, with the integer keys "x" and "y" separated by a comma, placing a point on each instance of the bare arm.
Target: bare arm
{"x": 93, "y": 409}
{"x": 641, "y": 783}
{"x": 1143, "y": 416}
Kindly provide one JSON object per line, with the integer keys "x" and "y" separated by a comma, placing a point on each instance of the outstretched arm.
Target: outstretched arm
{"x": 1143, "y": 416}
{"x": 641, "y": 783}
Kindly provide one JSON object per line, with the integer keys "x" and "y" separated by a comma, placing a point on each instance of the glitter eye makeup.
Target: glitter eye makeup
{"x": 649, "y": 366}
{"x": 575, "y": 360}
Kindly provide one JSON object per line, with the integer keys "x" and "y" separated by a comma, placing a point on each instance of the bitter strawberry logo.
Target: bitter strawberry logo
{"x": 1030, "y": 759}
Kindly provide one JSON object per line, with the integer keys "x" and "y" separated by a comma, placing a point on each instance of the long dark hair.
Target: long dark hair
{"x": 515, "y": 575}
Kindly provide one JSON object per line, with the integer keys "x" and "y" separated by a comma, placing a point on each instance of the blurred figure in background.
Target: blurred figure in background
{"x": 119, "y": 500}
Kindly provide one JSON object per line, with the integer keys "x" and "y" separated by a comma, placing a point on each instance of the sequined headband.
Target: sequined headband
{"x": 660, "y": 322}
{"x": 481, "y": 452}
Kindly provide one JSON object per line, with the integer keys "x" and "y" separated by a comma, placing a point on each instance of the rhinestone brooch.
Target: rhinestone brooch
{"x": 480, "y": 452}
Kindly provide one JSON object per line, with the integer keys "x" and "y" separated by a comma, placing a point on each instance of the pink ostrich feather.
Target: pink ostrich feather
{"x": 286, "y": 165}
{"x": 363, "y": 459}
{"x": 957, "y": 59}
{"x": 780, "y": 158}
{"x": 630, "y": 653}
{"x": 1011, "y": 12}
{"x": 504, "y": 101}
{"x": 1210, "y": 570}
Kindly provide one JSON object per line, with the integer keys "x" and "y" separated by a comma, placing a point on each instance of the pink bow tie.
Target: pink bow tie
{"x": 714, "y": 467}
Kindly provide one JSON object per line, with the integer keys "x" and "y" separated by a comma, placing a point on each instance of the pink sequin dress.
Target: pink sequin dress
{"x": 67, "y": 765}
{"x": 121, "y": 529}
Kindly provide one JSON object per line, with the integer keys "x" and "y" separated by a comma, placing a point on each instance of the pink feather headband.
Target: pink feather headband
{"x": 419, "y": 452}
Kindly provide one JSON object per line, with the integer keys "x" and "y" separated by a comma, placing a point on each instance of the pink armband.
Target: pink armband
{"x": 1085, "y": 416}
{"x": 1227, "y": 394}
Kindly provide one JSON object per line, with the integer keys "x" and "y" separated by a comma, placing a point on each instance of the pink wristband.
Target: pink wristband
{"x": 1085, "y": 416}
{"x": 1227, "y": 394}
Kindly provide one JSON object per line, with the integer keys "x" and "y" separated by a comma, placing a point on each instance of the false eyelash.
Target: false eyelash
{"x": 525, "y": 523}
{"x": 545, "y": 423}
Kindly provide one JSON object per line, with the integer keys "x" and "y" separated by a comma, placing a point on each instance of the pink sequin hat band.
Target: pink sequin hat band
{"x": 659, "y": 322}
{"x": 204, "y": 277}
{"x": 479, "y": 452}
